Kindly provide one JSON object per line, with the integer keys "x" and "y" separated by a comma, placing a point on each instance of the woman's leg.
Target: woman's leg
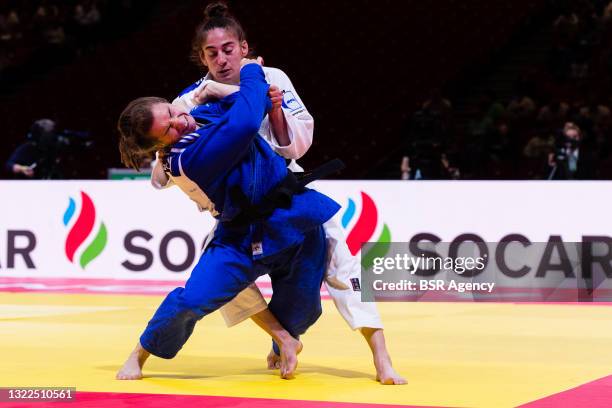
{"x": 221, "y": 273}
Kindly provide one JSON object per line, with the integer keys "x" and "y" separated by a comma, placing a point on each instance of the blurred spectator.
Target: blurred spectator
{"x": 22, "y": 162}
{"x": 439, "y": 107}
{"x": 14, "y": 24}
{"x": 10, "y": 35}
{"x": 449, "y": 171}
{"x": 433, "y": 122}
{"x": 553, "y": 115}
{"x": 29, "y": 160}
{"x": 521, "y": 107}
{"x": 565, "y": 32}
{"x": 566, "y": 26}
{"x": 539, "y": 146}
{"x": 9, "y": 26}
{"x": 489, "y": 111}
{"x": 405, "y": 168}
{"x": 572, "y": 160}
{"x": 52, "y": 30}
{"x": 428, "y": 163}
{"x": 592, "y": 115}
{"x": 87, "y": 21}
{"x": 42, "y": 155}
{"x": 87, "y": 13}
{"x": 607, "y": 13}
{"x": 48, "y": 24}
{"x": 499, "y": 142}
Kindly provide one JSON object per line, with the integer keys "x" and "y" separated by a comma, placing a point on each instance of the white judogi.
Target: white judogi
{"x": 343, "y": 268}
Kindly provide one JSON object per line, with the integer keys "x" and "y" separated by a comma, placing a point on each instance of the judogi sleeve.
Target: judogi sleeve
{"x": 212, "y": 156}
{"x": 300, "y": 124}
{"x": 185, "y": 98}
{"x": 221, "y": 145}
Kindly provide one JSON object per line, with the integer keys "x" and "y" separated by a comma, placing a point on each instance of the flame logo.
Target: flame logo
{"x": 82, "y": 229}
{"x": 364, "y": 229}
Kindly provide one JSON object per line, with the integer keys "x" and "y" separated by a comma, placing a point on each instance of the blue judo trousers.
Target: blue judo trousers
{"x": 224, "y": 153}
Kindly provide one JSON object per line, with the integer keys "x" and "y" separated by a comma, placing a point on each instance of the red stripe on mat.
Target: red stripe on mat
{"x": 106, "y": 286}
{"x": 119, "y": 400}
{"x": 83, "y": 281}
{"x": 162, "y": 287}
{"x": 594, "y": 394}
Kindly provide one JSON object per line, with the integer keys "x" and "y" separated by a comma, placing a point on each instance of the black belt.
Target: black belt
{"x": 280, "y": 196}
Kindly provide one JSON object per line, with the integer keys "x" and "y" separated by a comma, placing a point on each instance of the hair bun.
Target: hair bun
{"x": 216, "y": 10}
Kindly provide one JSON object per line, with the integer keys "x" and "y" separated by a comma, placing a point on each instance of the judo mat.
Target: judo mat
{"x": 452, "y": 354}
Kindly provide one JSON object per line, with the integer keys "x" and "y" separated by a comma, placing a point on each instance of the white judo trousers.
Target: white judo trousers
{"x": 343, "y": 274}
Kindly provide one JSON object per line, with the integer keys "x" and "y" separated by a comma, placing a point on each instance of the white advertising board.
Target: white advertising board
{"x": 128, "y": 230}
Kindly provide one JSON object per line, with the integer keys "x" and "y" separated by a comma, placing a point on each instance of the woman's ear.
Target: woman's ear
{"x": 244, "y": 49}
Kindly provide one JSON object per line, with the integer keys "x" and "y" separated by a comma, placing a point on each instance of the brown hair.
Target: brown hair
{"x": 134, "y": 124}
{"x": 216, "y": 15}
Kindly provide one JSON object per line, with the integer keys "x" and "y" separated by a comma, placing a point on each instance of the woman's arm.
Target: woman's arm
{"x": 289, "y": 130}
{"x": 221, "y": 145}
{"x": 213, "y": 90}
{"x": 204, "y": 92}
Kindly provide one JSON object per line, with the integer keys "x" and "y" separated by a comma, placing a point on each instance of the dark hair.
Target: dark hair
{"x": 134, "y": 124}
{"x": 216, "y": 15}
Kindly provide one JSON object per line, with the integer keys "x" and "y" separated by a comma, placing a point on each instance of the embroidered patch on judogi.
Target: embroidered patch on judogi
{"x": 290, "y": 102}
{"x": 257, "y": 248}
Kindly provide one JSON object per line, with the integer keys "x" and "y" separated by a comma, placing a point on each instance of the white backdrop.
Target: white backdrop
{"x": 36, "y": 210}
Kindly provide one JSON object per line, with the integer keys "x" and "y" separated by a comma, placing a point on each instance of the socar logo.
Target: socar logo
{"x": 364, "y": 228}
{"x": 81, "y": 231}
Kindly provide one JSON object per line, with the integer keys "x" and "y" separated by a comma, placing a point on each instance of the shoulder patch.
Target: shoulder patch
{"x": 290, "y": 102}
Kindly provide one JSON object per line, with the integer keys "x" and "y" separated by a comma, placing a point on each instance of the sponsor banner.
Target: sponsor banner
{"x": 128, "y": 230}
{"x": 99, "y": 229}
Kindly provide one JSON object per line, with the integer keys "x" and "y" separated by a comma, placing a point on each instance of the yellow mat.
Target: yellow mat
{"x": 452, "y": 354}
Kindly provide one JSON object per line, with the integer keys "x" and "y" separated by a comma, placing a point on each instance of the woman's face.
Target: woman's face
{"x": 170, "y": 123}
{"x": 221, "y": 53}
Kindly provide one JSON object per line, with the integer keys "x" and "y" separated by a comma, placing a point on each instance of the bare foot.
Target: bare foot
{"x": 273, "y": 360}
{"x": 132, "y": 368}
{"x": 287, "y": 361}
{"x": 386, "y": 374}
{"x": 288, "y": 357}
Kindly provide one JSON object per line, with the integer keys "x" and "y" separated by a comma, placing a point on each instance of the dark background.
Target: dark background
{"x": 363, "y": 68}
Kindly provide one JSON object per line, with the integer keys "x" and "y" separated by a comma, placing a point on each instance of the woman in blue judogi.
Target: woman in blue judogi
{"x": 268, "y": 224}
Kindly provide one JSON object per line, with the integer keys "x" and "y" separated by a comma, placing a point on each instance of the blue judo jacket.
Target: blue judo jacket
{"x": 227, "y": 152}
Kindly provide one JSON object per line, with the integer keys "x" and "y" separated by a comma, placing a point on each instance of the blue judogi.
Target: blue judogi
{"x": 289, "y": 245}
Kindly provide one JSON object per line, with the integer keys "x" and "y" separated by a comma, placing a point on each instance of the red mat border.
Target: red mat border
{"x": 593, "y": 394}
{"x": 129, "y": 400}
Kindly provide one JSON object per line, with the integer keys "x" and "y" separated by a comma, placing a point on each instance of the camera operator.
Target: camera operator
{"x": 571, "y": 159}
{"x": 25, "y": 160}
{"x": 40, "y": 157}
